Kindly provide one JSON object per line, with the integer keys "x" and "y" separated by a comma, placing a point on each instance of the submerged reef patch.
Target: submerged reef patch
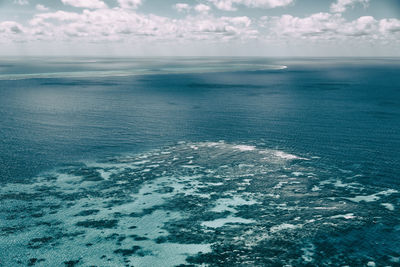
{"x": 204, "y": 203}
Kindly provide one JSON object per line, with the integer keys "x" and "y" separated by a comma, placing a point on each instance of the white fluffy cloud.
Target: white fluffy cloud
{"x": 41, "y": 7}
{"x": 230, "y": 5}
{"x": 100, "y": 24}
{"x": 11, "y": 31}
{"x": 129, "y": 4}
{"x": 319, "y": 25}
{"x": 92, "y": 4}
{"x": 11, "y": 27}
{"x": 389, "y": 26}
{"x": 327, "y": 26}
{"x": 201, "y": 8}
{"x": 124, "y": 25}
{"x": 341, "y": 5}
{"x": 21, "y": 2}
{"x": 182, "y": 7}
{"x": 363, "y": 26}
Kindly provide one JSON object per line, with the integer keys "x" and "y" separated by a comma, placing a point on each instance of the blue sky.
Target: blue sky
{"x": 200, "y": 28}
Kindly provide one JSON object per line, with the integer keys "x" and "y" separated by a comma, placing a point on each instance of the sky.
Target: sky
{"x": 317, "y": 28}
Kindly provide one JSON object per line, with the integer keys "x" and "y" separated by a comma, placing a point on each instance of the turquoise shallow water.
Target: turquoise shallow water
{"x": 215, "y": 164}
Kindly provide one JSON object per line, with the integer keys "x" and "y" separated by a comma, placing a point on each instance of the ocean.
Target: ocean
{"x": 199, "y": 161}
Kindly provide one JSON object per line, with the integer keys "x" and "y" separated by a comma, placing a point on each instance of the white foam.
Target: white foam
{"x": 104, "y": 174}
{"x": 388, "y": 192}
{"x": 388, "y": 206}
{"x": 229, "y": 204}
{"x": 284, "y": 226}
{"x": 191, "y": 166}
{"x": 347, "y": 216}
{"x": 339, "y": 183}
{"x": 287, "y": 156}
{"x": 279, "y": 185}
{"x": 141, "y": 162}
{"x": 245, "y": 148}
{"x": 308, "y": 253}
{"x": 221, "y": 222}
{"x": 370, "y": 198}
{"x": 325, "y": 208}
{"x": 211, "y": 144}
{"x": 394, "y": 259}
{"x": 373, "y": 197}
{"x": 315, "y": 188}
{"x": 169, "y": 254}
{"x": 325, "y": 182}
{"x": 215, "y": 184}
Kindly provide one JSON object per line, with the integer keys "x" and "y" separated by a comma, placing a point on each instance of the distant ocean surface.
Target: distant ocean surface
{"x": 199, "y": 161}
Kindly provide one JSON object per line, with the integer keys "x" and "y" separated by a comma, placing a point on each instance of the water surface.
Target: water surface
{"x": 216, "y": 161}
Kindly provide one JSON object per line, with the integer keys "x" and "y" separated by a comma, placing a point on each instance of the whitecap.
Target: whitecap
{"x": 244, "y": 147}
{"x": 287, "y": 156}
{"x": 229, "y": 204}
{"x": 308, "y": 253}
{"x": 373, "y": 197}
{"x": 389, "y": 206}
{"x": 284, "y": 226}
{"x": 228, "y": 220}
{"x": 347, "y": 216}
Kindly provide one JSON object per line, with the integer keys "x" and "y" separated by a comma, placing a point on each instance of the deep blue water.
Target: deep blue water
{"x": 339, "y": 117}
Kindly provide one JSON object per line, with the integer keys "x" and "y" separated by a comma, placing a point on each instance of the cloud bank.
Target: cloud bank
{"x": 341, "y": 5}
{"x": 94, "y": 22}
{"x": 92, "y": 4}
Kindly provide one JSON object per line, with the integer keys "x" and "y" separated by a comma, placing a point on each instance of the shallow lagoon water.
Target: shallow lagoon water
{"x": 263, "y": 167}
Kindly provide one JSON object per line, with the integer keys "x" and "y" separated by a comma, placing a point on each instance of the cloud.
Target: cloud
{"x": 222, "y": 29}
{"x": 58, "y": 16}
{"x": 125, "y": 25}
{"x": 362, "y": 26}
{"x": 329, "y": 27}
{"x": 182, "y": 7}
{"x": 201, "y": 8}
{"x": 388, "y": 26}
{"x": 21, "y": 2}
{"x": 92, "y": 4}
{"x": 41, "y": 7}
{"x": 129, "y": 4}
{"x": 341, "y": 5}
{"x": 12, "y": 32}
{"x": 230, "y": 5}
{"x": 320, "y": 24}
{"x": 11, "y": 27}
